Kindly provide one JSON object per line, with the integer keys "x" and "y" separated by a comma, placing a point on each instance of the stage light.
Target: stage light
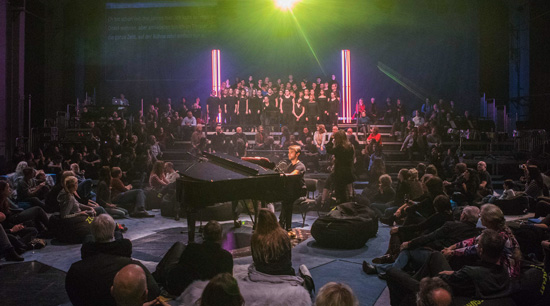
{"x": 346, "y": 87}
{"x": 285, "y": 4}
{"x": 216, "y": 84}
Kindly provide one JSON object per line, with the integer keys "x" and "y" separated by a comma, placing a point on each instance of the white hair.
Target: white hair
{"x": 103, "y": 228}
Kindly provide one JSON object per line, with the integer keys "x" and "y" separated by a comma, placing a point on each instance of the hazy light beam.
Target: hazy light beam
{"x": 307, "y": 41}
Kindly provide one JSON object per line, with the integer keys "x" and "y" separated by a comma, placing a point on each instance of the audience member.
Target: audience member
{"x": 416, "y": 252}
{"x": 171, "y": 174}
{"x": 336, "y": 294}
{"x": 130, "y": 288}
{"x": 197, "y": 261}
{"x": 104, "y": 241}
{"x": 222, "y": 290}
{"x": 29, "y": 191}
{"x": 433, "y": 292}
{"x": 485, "y": 280}
{"x": 270, "y": 246}
{"x": 7, "y": 250}
{"x": 492, "y": 218}
{"x": 343, "y": 174}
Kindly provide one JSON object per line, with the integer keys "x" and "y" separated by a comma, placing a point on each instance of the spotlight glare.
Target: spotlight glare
{"x": 285, "y": 4}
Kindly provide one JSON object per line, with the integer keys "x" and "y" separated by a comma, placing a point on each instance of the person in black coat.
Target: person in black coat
{"x": 105, "y": 239}
{"x": 197, "y": 261}
{"x": 485, "y": 280}
{"x": 343, "y": 174}
{"x": 89, "y": 281}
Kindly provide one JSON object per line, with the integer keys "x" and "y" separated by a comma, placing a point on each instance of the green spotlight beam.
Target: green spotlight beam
{"x": 307, "y": 41}
{"x": 418, "y": 92}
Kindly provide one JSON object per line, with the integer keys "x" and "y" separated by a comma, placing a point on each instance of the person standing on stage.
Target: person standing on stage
{"x": 213, "y": 108}
{"x": 312, "y": 112}
{"x": 242, "y": 108}
{"x": 343, "y": 174}
{"x": 298, "y": 112}
{"x": 231, "y": 104}
{"x": 224, "y": 101}
{"x": 255, "y": 106}
{"x": 296, "y": 191}
{"x": 334, "y": 108}
{"x": 286, "y": 107}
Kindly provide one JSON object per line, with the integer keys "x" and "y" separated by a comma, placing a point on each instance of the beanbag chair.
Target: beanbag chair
{"x": 347, "y": 226}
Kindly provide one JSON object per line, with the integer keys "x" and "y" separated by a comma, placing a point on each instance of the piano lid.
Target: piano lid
{"x": 220, "y": 167}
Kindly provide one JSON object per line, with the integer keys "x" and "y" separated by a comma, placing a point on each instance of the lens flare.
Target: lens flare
{"x": 285, "y": 4}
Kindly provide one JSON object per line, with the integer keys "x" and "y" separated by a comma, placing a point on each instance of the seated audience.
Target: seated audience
{"x": 398, "y": 235}
{"x": 319, "y": 139}
{"x": 171, "y": 174}
{"x": 484, "y": 280}
{"x": 188, "y": 125}
{"x": 414, "y": 253}
{"x": 389, "y": 208}
{"x": 157, "y": 179}
{"x": 240, "y": 142}
{"x": 222, "y": 290}
{"x": 198, "y": 261}
{"x": 508, "y": 193}
{"x": 104, "y": 193}
{"x": 7, "y": 250}
{"x": 127, "y": 197}
{"x": 492, "y": 218}
{"x": 485, "y": 182}
{"x": 410, "y": 144}
{"x": 104, "y": 241}
{"x": 384, "y": 193}
{"x": 270, "y": 246}
{"x": 84, "y": 185}
{"x": 336, "y": 294}
{"x": 89, "y": 280}
{"x": 130, "y": 287}
{"x": 373, "y": 139}
{"x": 29, "y": 191}
{"x": 15, "y": 217}
{"x": 260, "y": 138}
{"x": 52, "y": 205}
{"x": 433, "y": 292}
{"x": 534, "y": 185}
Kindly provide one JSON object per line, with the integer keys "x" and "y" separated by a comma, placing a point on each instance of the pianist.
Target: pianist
{"x": 295, "y": 191}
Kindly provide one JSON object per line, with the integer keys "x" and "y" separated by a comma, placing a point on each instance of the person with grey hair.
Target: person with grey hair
{"x": 415, "y": 252}
{"x": 434, "y": 292}
{"x": 486, "y": 279}
{"x": 336, "y": 294}
{"x": 492, "y": 218}
{"x": 104, "y": 241}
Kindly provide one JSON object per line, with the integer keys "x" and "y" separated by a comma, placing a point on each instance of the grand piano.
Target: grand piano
{"x": 217, "y": 177}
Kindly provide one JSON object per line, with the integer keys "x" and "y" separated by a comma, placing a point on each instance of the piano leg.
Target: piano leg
{"x": 257, "y": 205}
{"x": 191, "y": 219}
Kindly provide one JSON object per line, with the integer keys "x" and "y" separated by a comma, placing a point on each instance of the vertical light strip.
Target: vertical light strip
{"x": 346, "y": 87}
{"x": 343, "y": 98}
{"x": 216, "y": 84}
{"x": 219, "y": 74}
{"x": 213, "y": 70}
{"x": 349, "y": 86}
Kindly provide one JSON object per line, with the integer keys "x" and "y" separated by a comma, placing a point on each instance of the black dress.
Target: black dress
{"x": 343, "y": 173}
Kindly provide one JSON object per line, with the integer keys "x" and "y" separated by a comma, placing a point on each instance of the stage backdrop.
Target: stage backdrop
{"x": 399, "y": 48}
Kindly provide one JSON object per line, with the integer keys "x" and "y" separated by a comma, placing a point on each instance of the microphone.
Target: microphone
{"x": 282, "y": 166}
